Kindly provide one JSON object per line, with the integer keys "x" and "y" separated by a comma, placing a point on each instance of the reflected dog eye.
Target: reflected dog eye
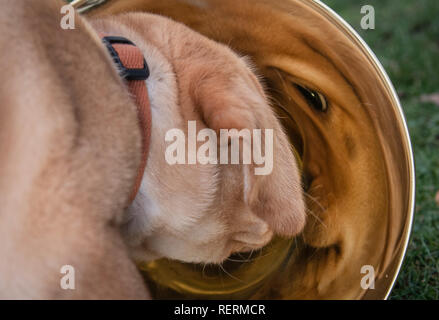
{"x": 314, "y": 98}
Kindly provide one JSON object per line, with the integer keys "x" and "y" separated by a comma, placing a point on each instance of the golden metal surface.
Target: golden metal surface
{"x": 402, "y": 137}
{"x": 238, "y": 278}
{"x": 365, "y": 191}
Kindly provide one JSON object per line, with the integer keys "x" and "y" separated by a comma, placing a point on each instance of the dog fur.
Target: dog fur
{"x": 350, "y": 196}
{"x": 70, "y": 149}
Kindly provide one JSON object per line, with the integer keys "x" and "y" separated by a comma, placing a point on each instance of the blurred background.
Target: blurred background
{"x": 406, "y": 41}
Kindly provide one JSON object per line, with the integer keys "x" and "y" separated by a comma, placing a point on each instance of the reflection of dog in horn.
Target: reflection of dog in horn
{"x": 329, "y": 100}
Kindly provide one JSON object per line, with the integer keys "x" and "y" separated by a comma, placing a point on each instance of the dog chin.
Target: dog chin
{"x": 197, "y": 258}
{"x": 145, "y": 256}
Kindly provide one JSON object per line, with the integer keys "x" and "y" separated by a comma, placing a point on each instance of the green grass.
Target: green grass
{"x": 406, "y": 41}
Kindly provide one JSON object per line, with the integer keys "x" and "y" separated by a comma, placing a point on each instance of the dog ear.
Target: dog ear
{"x": 277, "y": 197}
{"x": 273, "y": 190}
{"x": 225, "y": 103}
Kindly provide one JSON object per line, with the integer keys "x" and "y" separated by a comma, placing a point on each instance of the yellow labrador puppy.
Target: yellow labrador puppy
{"x": 329, "y": 101}
{"x": 70, "y": 149}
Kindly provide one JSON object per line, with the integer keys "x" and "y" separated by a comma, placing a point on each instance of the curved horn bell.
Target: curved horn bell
{"x": 346, "y": 124}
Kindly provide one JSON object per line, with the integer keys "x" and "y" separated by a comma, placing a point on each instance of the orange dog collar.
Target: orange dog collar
{"x": 134, "y": 69}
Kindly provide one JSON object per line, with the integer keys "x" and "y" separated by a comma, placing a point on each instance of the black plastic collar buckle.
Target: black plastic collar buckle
{"x": 127, "y": 73}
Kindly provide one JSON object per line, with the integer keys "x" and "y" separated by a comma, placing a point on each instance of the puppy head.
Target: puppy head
{"x": 203, "y": 212}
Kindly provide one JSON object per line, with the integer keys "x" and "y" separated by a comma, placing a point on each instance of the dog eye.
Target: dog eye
{"x": 314, "y": 98}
